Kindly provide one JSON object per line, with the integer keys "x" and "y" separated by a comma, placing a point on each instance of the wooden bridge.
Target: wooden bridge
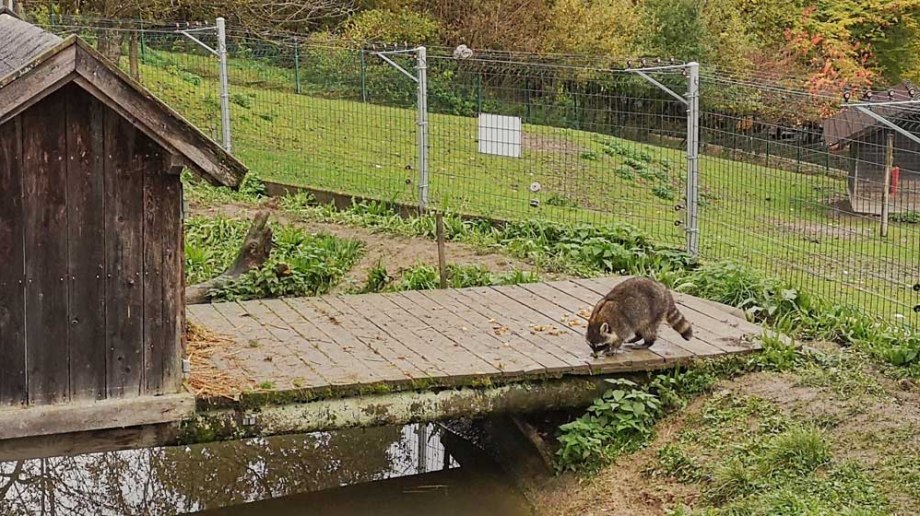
{"x": 443, "y": 338}
{"x": 322, "y": 363}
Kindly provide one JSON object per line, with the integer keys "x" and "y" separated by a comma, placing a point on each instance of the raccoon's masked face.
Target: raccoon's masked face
{"x": 599, "y": 338}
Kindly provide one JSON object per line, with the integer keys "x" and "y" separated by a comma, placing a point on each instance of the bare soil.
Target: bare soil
{"x": 550, "y": 144}
{"x": 396, "y": 253}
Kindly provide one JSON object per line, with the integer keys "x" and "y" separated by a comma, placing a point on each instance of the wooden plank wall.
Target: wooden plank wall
{"x": 12, "y": 272}
{"x": 90, "y": 239}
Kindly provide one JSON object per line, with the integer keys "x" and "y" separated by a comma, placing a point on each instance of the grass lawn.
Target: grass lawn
{"x": 779, "y": 221}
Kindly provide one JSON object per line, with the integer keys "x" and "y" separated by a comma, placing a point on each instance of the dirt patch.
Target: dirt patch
{"x": 544, "y": 143}
{"x": 816, "y": 232}
{"x": 394, "y": 252}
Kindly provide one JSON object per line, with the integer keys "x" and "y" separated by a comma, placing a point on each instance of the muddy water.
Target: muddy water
{"x": 416, "y": 469}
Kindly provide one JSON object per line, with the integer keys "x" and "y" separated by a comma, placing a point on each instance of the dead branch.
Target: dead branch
{"x": 254, "y": 252}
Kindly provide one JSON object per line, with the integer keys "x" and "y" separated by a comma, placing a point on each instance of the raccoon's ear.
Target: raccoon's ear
{"x": 605, "y": 328}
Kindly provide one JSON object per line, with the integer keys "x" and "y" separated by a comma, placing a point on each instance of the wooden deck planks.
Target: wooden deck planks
{"x": 517, "y": 318}
{"x": 506, "y": 361}
{"x": 522, "y": 351}
{"x": 443, "y": 337}
{"x": 444, "y": 356}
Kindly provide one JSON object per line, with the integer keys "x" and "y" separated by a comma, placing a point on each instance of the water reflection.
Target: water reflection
{"x": 187, "y": 479}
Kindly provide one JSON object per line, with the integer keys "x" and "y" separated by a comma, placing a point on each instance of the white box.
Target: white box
{"x": 500, "y": 135}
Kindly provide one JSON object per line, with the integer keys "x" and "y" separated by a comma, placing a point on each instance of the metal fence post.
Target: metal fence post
{"x": 422, "y": 68}
{"x": 224, "y": 84}
{"x": 693, "y": 157}
{"x": 363, "y": 76}
{"x": 297, "y": 66}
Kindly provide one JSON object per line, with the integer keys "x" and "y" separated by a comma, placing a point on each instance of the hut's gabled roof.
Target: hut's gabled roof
{"x": 851, "y": 124}
{"x": 35, "y": 63}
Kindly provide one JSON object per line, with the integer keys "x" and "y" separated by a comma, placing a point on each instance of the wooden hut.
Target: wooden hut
{"x": 867, "y": 141}
{"x": 91, "y": 239}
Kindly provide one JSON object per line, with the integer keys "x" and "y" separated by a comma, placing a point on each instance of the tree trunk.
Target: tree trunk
{"x": 132, "y": 57}
{"x": 255, "y": 250}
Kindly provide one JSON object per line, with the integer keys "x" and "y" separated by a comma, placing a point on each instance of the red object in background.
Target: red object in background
{"x": 895, "y": 174}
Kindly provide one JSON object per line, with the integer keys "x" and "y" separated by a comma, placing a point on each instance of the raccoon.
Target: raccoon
{"x": 635, "y": 308}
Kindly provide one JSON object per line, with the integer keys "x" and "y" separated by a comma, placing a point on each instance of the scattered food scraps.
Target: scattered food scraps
{"x": 500, "y": 330}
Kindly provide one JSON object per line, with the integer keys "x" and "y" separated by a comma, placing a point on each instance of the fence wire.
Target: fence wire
{"x": 597, "y": 146}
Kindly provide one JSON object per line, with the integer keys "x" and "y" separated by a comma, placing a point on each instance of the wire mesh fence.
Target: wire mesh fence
{"x": 596, "y": 145}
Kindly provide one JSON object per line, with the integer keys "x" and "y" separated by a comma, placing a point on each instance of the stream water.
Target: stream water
{"x": 415, "y": 469}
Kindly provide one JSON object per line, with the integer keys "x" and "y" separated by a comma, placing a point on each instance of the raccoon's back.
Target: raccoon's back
{"x": 639, "y": 300}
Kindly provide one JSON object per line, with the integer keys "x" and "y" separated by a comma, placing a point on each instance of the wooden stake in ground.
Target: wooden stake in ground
{"x": 442, "y": 260}
{"x": 889, "y": 163}
{"x": 255, "y": 250}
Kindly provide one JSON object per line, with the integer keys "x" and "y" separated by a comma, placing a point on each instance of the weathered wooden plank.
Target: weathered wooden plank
{"x": 173, "y": 346}
{"x": 447, "y": 356}
{"x": 86, "y": 245}
{"x": 313, "y": 345}
{"x": 12, "y": 272}
{"x": 157, "y": 118}
{"x": 205, "y": 316}
{"x": 337, "y": 325}
{"x": 450, "y": 336}
{"x": 258, "y": 345}
{"x": 507, "y": 360}
{"x": 156, "y": 237}
{"x": 519, "y": 318}
{"x": 87, "y": 416}
{"x": 125, "y": 148}
{"x": 283, "y": 354}
{"x": 344, "y": 349}
{"x": 45, "y": 211}
{"x": 427, "y": 359}
{"x": 354, "y": 324}
{"x": 383, "y": 344}
{"x": 511, "y": 343}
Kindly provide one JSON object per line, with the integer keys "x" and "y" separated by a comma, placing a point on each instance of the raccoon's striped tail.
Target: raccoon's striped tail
{"x": 680, "y": 324}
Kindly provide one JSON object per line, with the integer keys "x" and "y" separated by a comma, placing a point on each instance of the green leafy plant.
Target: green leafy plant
{"x": 619, "y": 421}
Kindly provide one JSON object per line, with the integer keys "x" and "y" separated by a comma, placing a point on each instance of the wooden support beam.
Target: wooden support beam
{"x": 323, "y": 415}
{"x": 84, "y": 417}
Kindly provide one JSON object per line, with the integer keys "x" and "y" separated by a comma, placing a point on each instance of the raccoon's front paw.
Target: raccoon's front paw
{"x": 609, "y": 352}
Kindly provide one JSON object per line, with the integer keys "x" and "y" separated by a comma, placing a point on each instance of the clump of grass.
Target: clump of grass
{"x": 906, "y": 217}
{"x": 560, "y": 201}
{"x": 618, "y": 422}
{"x": 244, "y": 100}
{"x": 800, "y": 450}
{"x": 377, "y": 279}
{"x": 252, "y": 186}
{"x": 420, "y": 277}
{"x": 663, "y": 191}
